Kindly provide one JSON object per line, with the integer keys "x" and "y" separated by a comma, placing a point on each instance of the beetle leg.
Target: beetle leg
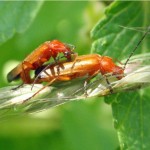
{"x": 25, "y": 74}
{"x": 109, "y": 85}
{"x": 40, "y": 90}
{"x": 57, "y": 65}
{"x": 18, "y": 86}
{"x": 74, "y": 62}
{"x": 36, "y": 78}
{"x": 91, "y": 75}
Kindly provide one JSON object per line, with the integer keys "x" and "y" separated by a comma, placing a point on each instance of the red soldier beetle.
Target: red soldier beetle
{"x": 84, "y": 65}
{"x": 38, "y": 57}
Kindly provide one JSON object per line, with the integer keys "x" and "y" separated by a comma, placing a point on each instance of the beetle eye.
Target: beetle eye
{"x": 66, "y": 53}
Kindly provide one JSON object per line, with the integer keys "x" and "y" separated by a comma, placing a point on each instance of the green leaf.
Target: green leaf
{"x": 84, "y": 131}
{"x": 131, "y": 117}
{"x": 116, "y": 41}
{"x": 131, "y": 109}
{"x": 16, "y": 17}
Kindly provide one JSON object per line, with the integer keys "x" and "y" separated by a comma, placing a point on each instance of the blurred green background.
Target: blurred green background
{"x": 77, "y": 125}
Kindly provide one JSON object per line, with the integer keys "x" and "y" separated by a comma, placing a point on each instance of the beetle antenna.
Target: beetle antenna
{"x": 145, "y": 34}
{"x": 139, "y": 29}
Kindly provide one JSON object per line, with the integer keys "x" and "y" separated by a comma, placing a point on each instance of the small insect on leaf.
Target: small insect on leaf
{"x": 41, "y": 55}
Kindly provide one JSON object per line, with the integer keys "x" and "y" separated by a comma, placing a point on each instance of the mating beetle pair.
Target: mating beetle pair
{"x": 71, "y": 68}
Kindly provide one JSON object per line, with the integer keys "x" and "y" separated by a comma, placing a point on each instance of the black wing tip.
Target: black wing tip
{"x": 11, "y": 77}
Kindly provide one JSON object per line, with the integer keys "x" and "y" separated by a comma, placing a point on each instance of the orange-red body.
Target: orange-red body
{"x": 86, "y": 65}
{"x": 37, "y": 58}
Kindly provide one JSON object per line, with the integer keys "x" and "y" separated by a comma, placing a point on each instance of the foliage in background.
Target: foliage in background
{"x": 16, "y": 20}
{"x": 130, "y": 110}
